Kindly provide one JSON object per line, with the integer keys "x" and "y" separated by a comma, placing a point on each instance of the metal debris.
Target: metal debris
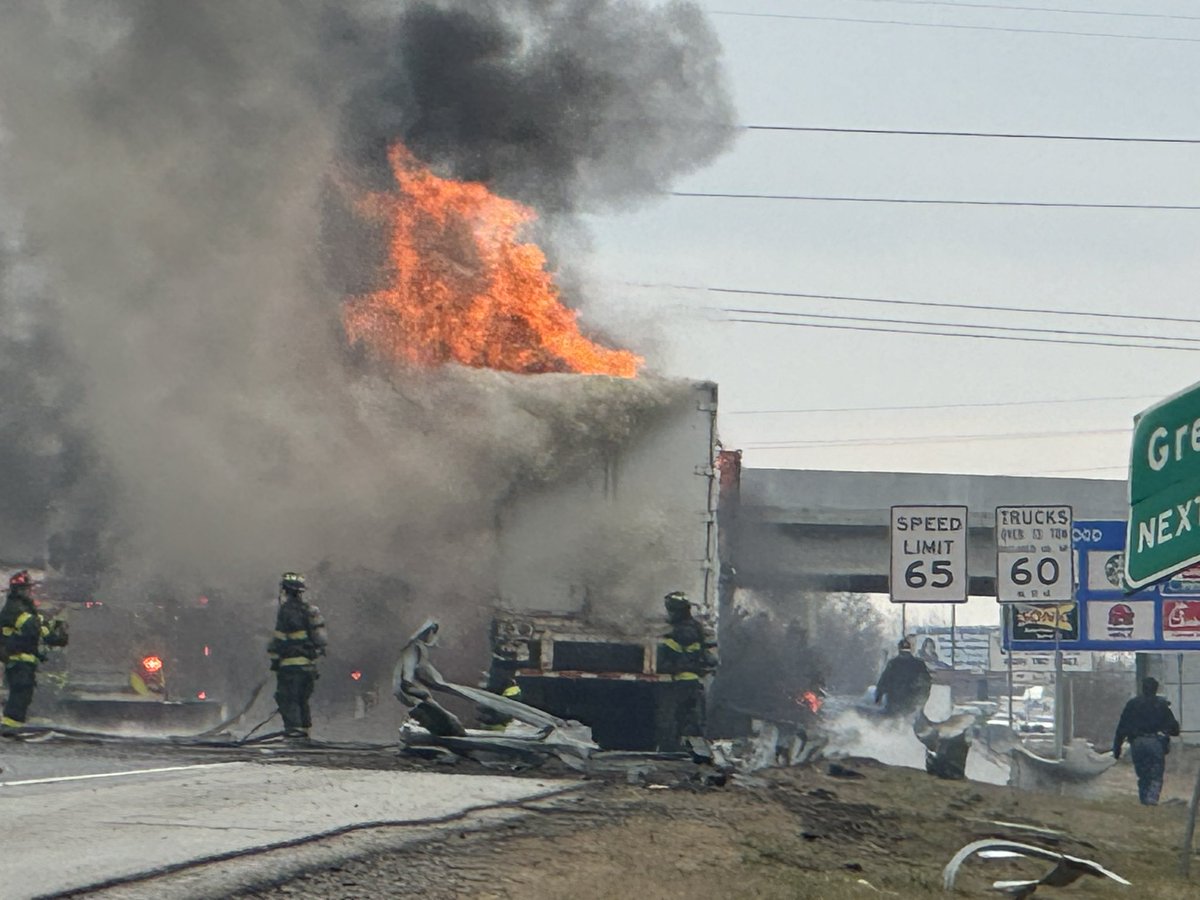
{"x": 946, "y": 744}
{"x": 1079, "y": 766}
{"x": 1067, "y": 869}
{"x": 539, "y": 737}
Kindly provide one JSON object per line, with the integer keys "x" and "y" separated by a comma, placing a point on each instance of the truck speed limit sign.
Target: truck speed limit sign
{"x": 1034, "y": 558}
{"x": 929, "y": 554}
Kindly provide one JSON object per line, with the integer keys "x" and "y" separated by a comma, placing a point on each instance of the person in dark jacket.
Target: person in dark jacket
{"x": 22, "y": 633}
{"x": 299, "y": 639}
{"x": 686, "y": 653}
{"x": 904, "y": 685}
{"x": 1148, "y": 724}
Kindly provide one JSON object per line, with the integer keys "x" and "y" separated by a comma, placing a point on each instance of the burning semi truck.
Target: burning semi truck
{"x": 584, "y": 568}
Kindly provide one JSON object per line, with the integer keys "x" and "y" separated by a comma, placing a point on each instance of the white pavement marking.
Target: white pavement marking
{"x": 121, "y": 774}
{"x": 84, "y": 832}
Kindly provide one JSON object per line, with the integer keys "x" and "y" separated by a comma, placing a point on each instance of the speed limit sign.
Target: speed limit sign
{"x": 929, "y": 554}
{"x": 1034, "y": 558}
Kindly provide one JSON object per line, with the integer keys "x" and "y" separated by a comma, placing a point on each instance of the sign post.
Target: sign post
{"x": 929, "y": 554}
{"x": 1163, "y": 534}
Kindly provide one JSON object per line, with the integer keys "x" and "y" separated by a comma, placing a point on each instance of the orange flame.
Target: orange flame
{"x": 464, "y": 288}
{"x": 809, "y": 699}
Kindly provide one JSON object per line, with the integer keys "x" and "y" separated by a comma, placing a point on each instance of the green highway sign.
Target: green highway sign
{"x": 1164, "y": 490}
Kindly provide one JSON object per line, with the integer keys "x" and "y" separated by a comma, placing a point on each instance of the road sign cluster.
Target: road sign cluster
{"x": 1062, "y": 582}
{"x": 1034, "y": 561}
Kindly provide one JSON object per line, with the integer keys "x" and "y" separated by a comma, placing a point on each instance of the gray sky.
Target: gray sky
{"x": 863, "y": 75}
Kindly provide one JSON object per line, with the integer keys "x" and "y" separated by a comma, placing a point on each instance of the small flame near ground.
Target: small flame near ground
{"x": 463, "y": 287}
{"x": 809, "y": 699}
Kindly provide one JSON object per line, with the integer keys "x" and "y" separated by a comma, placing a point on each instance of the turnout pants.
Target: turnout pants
{"x": 293, "y": 689}
{"x": 20, "y": 678}
{"x": 680, "y": 714}
{"x": 1149, "y": 761}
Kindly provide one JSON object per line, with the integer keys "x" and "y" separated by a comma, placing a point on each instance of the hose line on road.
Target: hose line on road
{"x": 173, "y": 868}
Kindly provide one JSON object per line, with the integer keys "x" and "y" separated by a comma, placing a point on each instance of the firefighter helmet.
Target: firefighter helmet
{"x": 677, "y": 600}
{"x": 20, "y": 579}
{"x": 292, "y": 582}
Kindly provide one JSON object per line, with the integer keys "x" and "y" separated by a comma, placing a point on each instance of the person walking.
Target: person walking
{"x": 903, "y": 688}
{"x": 1148, "y": 724}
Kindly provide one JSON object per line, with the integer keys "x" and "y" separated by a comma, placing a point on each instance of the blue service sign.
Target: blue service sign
{"x": 1162, "y": 617}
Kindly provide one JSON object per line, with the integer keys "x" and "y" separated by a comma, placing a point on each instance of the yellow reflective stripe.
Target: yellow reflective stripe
{"x": 687, "y": 676}
{"x": 138, "y": 683}
{"x": 291, "y": 635}
{"x": 21, "y": 620}
{"x": 511, "y": 691}
{"x": 692, "y": 648}
{"x": 672, "y": 644}
{"x": 296, "y": 661}
{"x": 11, "y": 723}
{"x": 23, "y": 657}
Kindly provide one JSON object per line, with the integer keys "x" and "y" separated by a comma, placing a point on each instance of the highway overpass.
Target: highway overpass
{"x": 829, "y": 531}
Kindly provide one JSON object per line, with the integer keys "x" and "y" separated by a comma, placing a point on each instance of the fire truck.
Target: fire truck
{"x": 585, "y": 566}
{"x": 152, "y": 666}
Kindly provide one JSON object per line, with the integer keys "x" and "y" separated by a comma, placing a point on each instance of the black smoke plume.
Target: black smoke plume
{"x": 177, "y": 400}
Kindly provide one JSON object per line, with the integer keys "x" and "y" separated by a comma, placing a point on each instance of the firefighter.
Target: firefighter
{"x": 415, "y": 677}
{"x": 505, "y": 684}
{"x": 23, "y": 631}
{"x": 905, "y": 682}
{"x": 686, "y": 654}
{"x": 299, "y": 639}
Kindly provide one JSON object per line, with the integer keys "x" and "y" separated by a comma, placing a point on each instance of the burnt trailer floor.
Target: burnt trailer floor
{"x": 623, "y": 714}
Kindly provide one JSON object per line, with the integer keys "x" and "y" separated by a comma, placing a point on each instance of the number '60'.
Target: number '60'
{"x": 1046, "y": 570}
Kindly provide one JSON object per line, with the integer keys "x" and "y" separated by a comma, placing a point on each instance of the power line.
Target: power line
{"x": 858, "y": 409}
{"x": 929, "y": 202}
{"x": 1045, "y": 9}
{"x": 925, "y": 303}
{"x": 930, "y": 303}
{"x": 1014, "y": 328}
{"x": 975, "y": 134}
{"x": 988, "y": 337}
{"x": 930, "y": 439}
{"x": 957, "y": 26}
{"x": 1124, "y": 468}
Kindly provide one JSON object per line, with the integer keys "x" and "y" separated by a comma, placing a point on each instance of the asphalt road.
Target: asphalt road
{"x": 94, "y": 816}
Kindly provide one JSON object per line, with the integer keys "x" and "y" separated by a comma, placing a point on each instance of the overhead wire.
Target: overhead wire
{"x": 958, "y": 26}
{"x": 1015, "y": 328}
{"x": 1026, "y": 136}
{"x": 927, "y": 201}
{"x": 930, "y": 406}
{"x": 983, "y": 307}
{"x": 992, "y": 337}
{"x": 1041, "y": 9}
{"x": 927, "y": 439}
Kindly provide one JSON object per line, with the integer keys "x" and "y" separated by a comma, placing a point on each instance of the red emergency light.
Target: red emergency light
{"x": 356, "y": 675}
{"x": 152, "y": 664}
